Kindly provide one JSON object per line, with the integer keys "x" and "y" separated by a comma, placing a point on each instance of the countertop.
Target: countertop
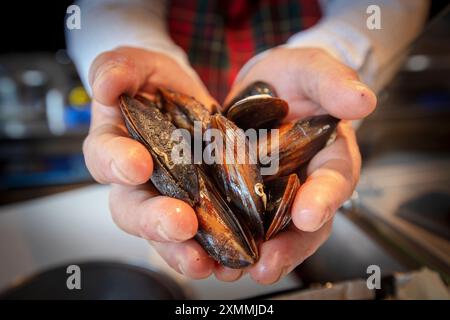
{"x": 76, "y": 226}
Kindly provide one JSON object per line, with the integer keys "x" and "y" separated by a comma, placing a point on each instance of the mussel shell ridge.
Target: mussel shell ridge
{"x": 298, "y": 142}
{"x": 282, "y": 193}
{"x": 240, "y": 181}
{"x": 219, "y": 231}
{"x": 149, "y": 126}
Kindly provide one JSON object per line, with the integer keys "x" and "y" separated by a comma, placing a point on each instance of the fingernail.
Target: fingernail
{"x": 241, "y": 272}
{"x": 181, "y": 269}
{"x": 358, "y": 85}
{"x": 101, "y": 71}
{"x": 233, "y": 274}
{"x": 307, "y": 220}
{"x": 168, "y": 236}
{"x": 119, "y": 174}
{"x": 162, "y": 233}
{"x": 271, "y": 271}
{"x": 283, "y": 272}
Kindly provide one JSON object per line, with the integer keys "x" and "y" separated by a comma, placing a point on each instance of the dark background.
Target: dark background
{"x": 32, "y": 25}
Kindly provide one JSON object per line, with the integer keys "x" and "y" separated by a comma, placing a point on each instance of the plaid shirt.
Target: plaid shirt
{"x": 220, "y": 36}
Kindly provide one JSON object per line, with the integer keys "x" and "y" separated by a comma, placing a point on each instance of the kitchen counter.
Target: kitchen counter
{"x": 76, "y": 226}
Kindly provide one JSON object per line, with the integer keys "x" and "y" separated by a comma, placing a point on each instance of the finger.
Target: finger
{"x": 227, "y": 274}
{"x": 128, "y": 70}
{"x": 113, "y": 73}
{"x": 334, "y": 86}
{"x": 141, "y": 212}
{"x": 315, "y": 80}
{"x": 110, "y": 155}
{"x": 332, "y": 176}
{"x": 284, "y": 252}
{"x": 188, "y": 258}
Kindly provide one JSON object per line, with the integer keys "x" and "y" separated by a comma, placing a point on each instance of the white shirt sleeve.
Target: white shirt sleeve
{"x": 374, "y": 54}
{"x": 343, "y": 32}
{"x": 107, "y": 24}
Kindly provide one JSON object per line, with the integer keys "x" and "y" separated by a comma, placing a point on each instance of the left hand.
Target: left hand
{"x": 313, "y": 83}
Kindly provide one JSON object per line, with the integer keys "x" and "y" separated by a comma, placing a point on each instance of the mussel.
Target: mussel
{"x": 220, "y": 232}
{"x": 148, "y": 125}
{"x": 240, "y": 181}
{"x": 297, "y": 142}
{"x": 253, "y": 89}
{"x": 236, "y": 206}
{"x": 257, "y": 107}
{"x": 281, "y": 192}
{"x": 182, "y": 109}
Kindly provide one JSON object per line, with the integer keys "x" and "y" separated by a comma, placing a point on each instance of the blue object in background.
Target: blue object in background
{"x": 76, "y": 117}
{"x": 434, "y": 101}
{"x": 56, "y": 170}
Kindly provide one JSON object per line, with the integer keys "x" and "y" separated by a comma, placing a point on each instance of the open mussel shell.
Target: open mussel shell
{"x": 253, "y": 89}
{"x": 281, "y": 193}
{"x": 258, "y": 111}
{"x": 237, "y": 173}
{"x": 183, "y": 109}
{"x": 219, "y": 231}
{"x": 257, "y": 106}
{"x": 298, "y": 142}
{"x": 148, "y": 125}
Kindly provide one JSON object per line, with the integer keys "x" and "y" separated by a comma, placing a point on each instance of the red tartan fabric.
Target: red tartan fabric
{"x": 220, "y": 36}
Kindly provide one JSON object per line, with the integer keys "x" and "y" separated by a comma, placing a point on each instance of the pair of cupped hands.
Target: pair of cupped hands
{"x": 312, "y": 81}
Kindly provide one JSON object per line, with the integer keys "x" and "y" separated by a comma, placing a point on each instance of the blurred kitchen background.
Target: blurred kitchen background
{"x": 52, "y": 213}
{"x": 44, "y": 110}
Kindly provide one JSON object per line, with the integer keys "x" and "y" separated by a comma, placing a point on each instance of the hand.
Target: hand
{"x": 112, "y": 157}
{"x": 313, "y": 83}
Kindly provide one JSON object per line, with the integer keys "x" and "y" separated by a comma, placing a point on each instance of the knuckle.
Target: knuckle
{"x": 357, "y": 168}
{"x": 317, "y": 54}
{"x": 308, "y": 252}
{"x": 86, "y": 144}
{"x": 327, "y": 228}
{"x": 89, "y": 159}
{"x": 330, "y": 211}
{"x": 145, "y": 229}
{"x": 332, "y": 175}
{"x": 348, "y": 73}
{"x": 112, "y": 59}
{"x": 113, "y": 56}
{"x": 114, "y": 208}
{"x": 311, "y": 227}
{"x": 86, "y": 147}
{"x": 106, "y": 56}
{"x": 338, "y": 177}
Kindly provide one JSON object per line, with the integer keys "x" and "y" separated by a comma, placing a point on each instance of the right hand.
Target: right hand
{"x": 113, "y": 157}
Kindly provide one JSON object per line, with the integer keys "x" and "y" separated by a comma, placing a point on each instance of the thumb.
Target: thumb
{"x": 117, "y": 72}
{"x": 310, "y": 78}
{"x": 334, "y": 87}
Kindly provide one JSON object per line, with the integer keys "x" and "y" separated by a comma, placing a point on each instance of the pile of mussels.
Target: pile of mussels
{"x": 236, "y": 206}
